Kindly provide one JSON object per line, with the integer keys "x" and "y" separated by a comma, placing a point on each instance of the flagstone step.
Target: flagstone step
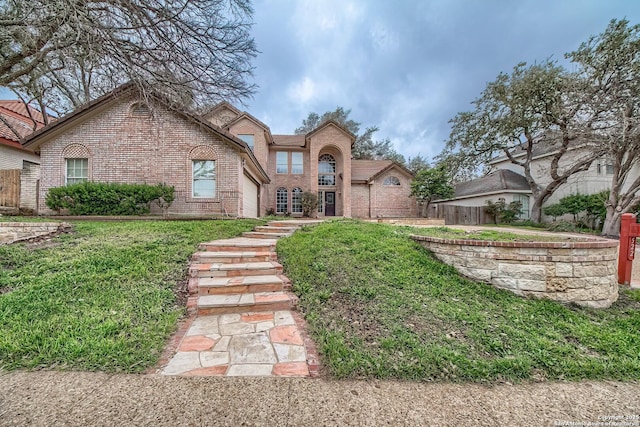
{"x": 233, "y": 257}
{"x": 270, "y": 229}
{"x": 236, "y": 244}
{"x": 234, "y": 270}
{"x": 238, "y": 285}
{"x": 241, "y": 303}
{"x": 293, "y": 222}
{"x": 264, "y": 235}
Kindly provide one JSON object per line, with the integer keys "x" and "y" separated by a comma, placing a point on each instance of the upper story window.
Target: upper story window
{"x": 77, "y": 170}
{"x": 249, "y": 139}
{"x": 296, "y": 163}
{"x": 204, "y": 179}
{"x": 282, "y": 162}
{"x": 326, "y": 170}
{"x": 391, "y": 180}
{"x": 605, "y": 164}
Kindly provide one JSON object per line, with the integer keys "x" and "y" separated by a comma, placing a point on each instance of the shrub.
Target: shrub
{"x": 99, "y": 198}
{"x": 309, "y": 203}
{"x": 501, "y": 212}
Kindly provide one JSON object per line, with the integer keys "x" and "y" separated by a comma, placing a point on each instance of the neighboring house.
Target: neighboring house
{"x": 19, "y": 166}
{"x": 224, "y": 162}
{"x": 499, "y": 184}
{"x": 512, "y": 185}
{"x": 320, "y": 162}
{"x": 123, "y": 137}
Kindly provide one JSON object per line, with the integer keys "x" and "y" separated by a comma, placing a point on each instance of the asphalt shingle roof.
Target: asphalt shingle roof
{"x": 502, "y": 179}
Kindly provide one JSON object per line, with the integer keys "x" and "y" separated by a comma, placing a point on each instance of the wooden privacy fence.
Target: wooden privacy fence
{"x": 460, "y": 215}
{"x": 10, "y": 188}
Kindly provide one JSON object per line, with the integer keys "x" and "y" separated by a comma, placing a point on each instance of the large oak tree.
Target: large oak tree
{"x": 63, "y": 53}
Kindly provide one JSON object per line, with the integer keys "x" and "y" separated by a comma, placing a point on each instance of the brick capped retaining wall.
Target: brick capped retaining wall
{"x": 16, "y": 231}
{"x": 581, "y": 271}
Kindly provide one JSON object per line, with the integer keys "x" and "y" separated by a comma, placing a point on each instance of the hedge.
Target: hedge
{"x": 100, "y": 198}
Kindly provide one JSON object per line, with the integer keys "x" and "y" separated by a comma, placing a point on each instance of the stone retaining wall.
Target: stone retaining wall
{"x": 582, "y": 272}
{"x": 16, "y": 231}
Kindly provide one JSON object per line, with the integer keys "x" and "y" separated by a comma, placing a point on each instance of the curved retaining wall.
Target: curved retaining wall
{"x": 582, "y": 272}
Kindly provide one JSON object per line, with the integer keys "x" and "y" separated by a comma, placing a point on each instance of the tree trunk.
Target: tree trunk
{"x": 536, "y": 209}
{"x": 611, "y": 227}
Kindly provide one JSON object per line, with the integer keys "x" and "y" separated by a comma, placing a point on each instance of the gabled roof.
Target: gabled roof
{"x": 289, "y": 140}
{"x": 364, "y": 171}
{"x": 220, "y": 106}
{"x": 249, "y": 117}
{"x": 495, "y": 182}
{"x": 35, "y": 139}
{"x": 330, "y": 122}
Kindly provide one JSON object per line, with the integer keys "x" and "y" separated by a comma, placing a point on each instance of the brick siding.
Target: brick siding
{"x": 149, "y": 149}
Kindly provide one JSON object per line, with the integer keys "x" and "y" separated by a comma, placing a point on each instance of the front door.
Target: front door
{"x": 330, "y": 203}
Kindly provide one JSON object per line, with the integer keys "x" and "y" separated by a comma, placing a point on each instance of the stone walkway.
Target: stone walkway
{"x": 247, "y": 344}
{"x": 244, "y": 325}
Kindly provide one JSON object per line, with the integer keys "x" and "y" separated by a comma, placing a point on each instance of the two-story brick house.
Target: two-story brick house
{"x": 225, "y": 162}
{"x": 320, "y": 161}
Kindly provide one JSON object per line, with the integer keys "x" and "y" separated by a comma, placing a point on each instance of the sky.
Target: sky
{"x": 406, "y": 66}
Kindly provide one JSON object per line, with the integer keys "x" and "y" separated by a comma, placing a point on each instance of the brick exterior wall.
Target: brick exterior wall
{"x": 331, "y": 140}
{"x": 29, "y": 177}
{"x": 376, "y": 200}
{"x": 151, "y": 149}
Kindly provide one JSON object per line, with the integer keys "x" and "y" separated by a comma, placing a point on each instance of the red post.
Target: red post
{"x": 628, "y": 233}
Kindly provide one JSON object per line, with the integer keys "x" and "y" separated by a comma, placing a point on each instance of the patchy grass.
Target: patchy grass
{"x": 490, "y": 235}
{"x": 380, "y": 306}
{"x": 100, "y": 299}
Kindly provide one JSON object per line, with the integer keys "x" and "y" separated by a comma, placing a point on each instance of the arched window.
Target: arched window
{"x": 282, "y": 200}
{"x": 296, "y": 200}
{"x": 391, "y": 180}
{"x": 203, "y": 172}
{"x": 76, "y": 164}
{"x": 326, "y": 170}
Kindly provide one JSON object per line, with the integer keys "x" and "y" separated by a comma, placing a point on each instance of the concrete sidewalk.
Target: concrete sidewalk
{"x": 94, "y": 399}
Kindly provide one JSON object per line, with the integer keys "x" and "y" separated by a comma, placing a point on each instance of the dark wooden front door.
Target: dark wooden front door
{"x": 330, "y": 203}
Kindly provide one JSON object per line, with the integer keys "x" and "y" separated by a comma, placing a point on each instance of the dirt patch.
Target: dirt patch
{"x": 5, "y": 290}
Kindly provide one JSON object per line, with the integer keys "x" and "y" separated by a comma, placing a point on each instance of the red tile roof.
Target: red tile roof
{"x": 16, "y": 114}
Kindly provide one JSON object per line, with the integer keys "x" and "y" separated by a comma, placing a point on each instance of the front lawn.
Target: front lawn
{"x": 101, "y": 298}
{"x": 380, "y": 306}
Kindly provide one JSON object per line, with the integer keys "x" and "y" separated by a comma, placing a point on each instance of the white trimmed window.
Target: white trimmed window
{"x": 320, "y": 202}
{"x": 249, "y": 139}
{"x": 326, "y": 170}
{"x": 204, "y": 179}
{"x": 77, "y": 170}
{"x": 391, "y": 180}
{"x": 296, "y": 164}
{"x": 282, "y": 162}
{"x": 282, "y": 197}
{"x": 296, "y": 200}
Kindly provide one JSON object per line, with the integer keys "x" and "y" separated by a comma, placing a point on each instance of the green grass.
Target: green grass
{"x": 102, "y": 298}
{"x": 490, "y": 235}
{"x": 380, "y": 306}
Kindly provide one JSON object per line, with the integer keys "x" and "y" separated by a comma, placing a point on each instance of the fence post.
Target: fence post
{"x": 627, "y": 249}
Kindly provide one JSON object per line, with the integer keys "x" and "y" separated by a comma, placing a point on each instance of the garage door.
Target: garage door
{"x": 249, "y": 198}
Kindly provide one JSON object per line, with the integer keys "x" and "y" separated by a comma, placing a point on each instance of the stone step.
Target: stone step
{"x": 232, "y": 257}
{"x": 260, "y": 235}
{"x": 266, "y": 268}
{"x": 239, "y": 285}
{"x": 293, "y": 222}
{"x": 239, "y": 244}
{"x": 270, "y": 229}
{"x": 241, "y": 303}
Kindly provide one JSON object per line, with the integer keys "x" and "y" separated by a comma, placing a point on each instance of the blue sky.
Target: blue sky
{"x": 406, "y": 66}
